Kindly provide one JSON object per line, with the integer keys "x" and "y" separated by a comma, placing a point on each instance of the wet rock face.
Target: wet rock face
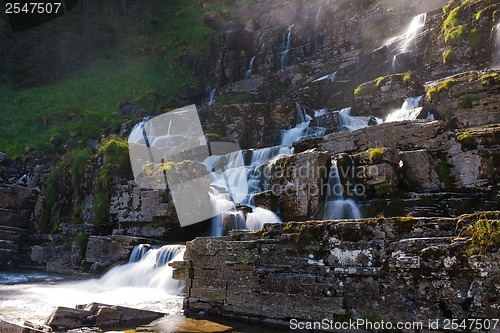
{"x": 103, "y": 251}
{"x": 385, "y": 94}
{"x": 16, "y": 206}
{"x": 465, "y": 100}
{"x": 250, "y": 125}
{"x": 404, "y": 268}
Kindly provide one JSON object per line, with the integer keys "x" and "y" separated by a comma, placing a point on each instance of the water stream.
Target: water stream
{"x": 145, "y": 282}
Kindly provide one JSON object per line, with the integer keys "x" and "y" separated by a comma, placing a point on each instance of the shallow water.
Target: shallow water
{"x": 33, "y": 296}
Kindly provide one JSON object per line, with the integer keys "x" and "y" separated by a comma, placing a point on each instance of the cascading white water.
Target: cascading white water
{"x": 495, "y": 63}
{"x": 262, "y": 48}
{"x": 143, "y": 284}
{"x": 138, "y": 252}
{"x": 417, "y": 23}
{"x": 151, "y": 271}
{"x": 410, "y": 110}
{"x": 336, "y": 207}
{"x": 286, "y": 47}
{"x": 405, "y": 41}
{"x": 211, "y": 97}
{"x": 350, "y": 123}
{"x": 332, "y": 77}
{"x": 249, "y": 71}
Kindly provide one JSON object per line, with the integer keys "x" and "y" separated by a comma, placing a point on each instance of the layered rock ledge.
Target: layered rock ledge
{"x": 394, "y": 269}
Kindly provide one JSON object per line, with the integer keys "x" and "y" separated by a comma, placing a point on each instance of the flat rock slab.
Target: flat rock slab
{"x": 98, "y": 315}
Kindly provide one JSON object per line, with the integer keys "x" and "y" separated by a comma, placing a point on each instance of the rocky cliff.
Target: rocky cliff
{"x": 392, "y": 270}
{"x": 271, "y": 65}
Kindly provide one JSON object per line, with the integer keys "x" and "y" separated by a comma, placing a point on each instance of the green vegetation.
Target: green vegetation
{"x": 81, "y": 241}
{"x": 466, "y": 140}
{"x": 115, "y": 156}
{"x": 489, "y": 79}
{"x": 449, "y": 57}
{"x": 443, "y": 171}
{"x": 434, "y": 92}
{"x": 376, "y": 155}
{"x": 76, "y": 70}
{"x": 114, "y": 152}
{"x": 379, "y": 81}
{"x": 485, "y": 237}
{"x": 474, "y": 37}
{"x": 466, "y": 101}
{"x": 211, "y": 134}
{"x": 453, "y": 29}
{"x": 408, "y": 77}
{"x": 386, "y": 191}
{"x": 233, "y": 98}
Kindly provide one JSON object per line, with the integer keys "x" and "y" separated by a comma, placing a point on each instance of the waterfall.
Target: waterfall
{"x": 211, "y": 97}
{"x": 332, "y": 77}
{"x": 150, "y": 271}
{"x": 336, "y": 207}
{"x": 417, "y": 23}
{"x": 410, "y": 110}
{"x": 249, "y": 71}
{"x": 405, "y": 41}
{"x": 262, "y": 48}
{"x": 349, "y": 123}
{"x": 495, "y": 64}
{"x": 286, "y": 46}
{"x": 138, "y": 252}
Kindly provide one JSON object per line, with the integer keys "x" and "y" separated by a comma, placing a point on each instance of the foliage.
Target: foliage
{"x": 67, "y": 77}
{"x": 114, "y": 152}
{"x": 51, "y": 190}
{"x": 213, "y": 135}
{"x": 489, "y": 79}
{"x": 446, "y": 85}
{"x": 408, "y": 76}
{"x": 465, "y": 101}
{"x": 77, "y": 161}
{"x": 449, "y": 57}
{"x": 467, "y": 140}
{"x": 101, "y": 208}
{"x": 485, "y": 237}
{"x": 376, "y": 154}
{"x": 453, "y": 29}
{"x": 443, "y": 171}
{"x": 81, "y": 241}
{"x": 474, "y": 37}
{"x": 233, "y": 98}
{"x": 433, "y": 94}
